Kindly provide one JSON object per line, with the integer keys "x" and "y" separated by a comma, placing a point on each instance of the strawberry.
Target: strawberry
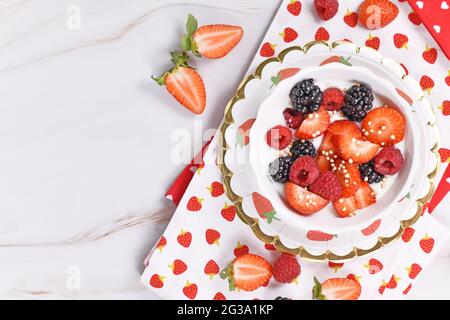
{"x": 322, "y": 34}
{"x": 444, "y": 154}
{"x": 194, "y": 204}
{"x": 339, "y": 127}
{"x": 303, "y": 201}
{"x": 216, "y": 189}
{"x": 430, "y": 55}
{"x": 374, "y": 266}
{"x": 384, "y": 126}
{"x": 240, "y": 250}
{"x": 264, "y": 207}
{"x": 427, "y": 244}
{"x": 336, "y": 59}
{"x": 376, "y": 14}
{"x": 323, "y": 163}
{"x": 190, "y": 290}
{"x": 345, "y": 207}
{"x": 404, "y": 68}
{"x": 211, "y": 269}
{"x": 184, "y": 238}
{"x": 447, "y": 78}
{"x": 373, "y": 42}
{"x": 316, "y": 235}
{"x": 289, "y": 35}
{"x": 184, "y": 83}
{"x": 405, "y": 96}
{"x": 349, "y": 177}
{"x": 314, "y": 125}
{"x": 354, "y": 150}
{"x": 365, "y": 196}
{"x": 351, "y": 18}
{"x": 335, "y": 266}
{"x": 382, "y": 288}
{"x": 352, "y": 276}
{"x": 157, "y": 281}
{"x": 247, "y": 272}
{"x": 178, "y": 267}
{"x": 267, "y": 50}
{"x": 445, "y": 108}
{"x": 228, "y": 212}
{"x": 294, "y": 7}
{"x": 413, "y": 270}
{"x": 161, "y": 243}
{"x": 372, "y": 228}
{"x": 284, "y": 74}
{"x": 212, "y": 236}
{"x": 337, "y": 289}
{"x": 219, "y": 296}
{"x": 243, "y": 132}
{"x": 269, "y": 247}
{"x": 392, "y": 284}
{"x": 407, "y": 289}
{"x": 408, "y": 234}
{"x": 400, "y": 41}
{"x": 211, "y": 41}
{"x": 426, "y": 83}
{"x": 414, "y": 18}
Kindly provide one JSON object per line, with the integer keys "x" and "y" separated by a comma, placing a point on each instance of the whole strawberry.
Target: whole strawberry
{"x": 326, "y": 9}
{"x": 286, "y": 268}
{"x": 376, "y": 14}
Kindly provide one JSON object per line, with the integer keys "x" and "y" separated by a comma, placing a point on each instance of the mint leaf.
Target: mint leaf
{"x": 191, "y": 25}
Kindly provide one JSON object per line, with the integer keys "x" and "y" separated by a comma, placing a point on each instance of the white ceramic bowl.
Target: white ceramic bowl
{"x": 270, "y": 114}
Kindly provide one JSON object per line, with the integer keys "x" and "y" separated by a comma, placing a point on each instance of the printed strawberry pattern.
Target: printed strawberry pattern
{"x": 200, "y": 242}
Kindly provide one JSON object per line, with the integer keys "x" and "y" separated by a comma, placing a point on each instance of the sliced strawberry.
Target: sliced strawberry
{"x": 323, "y": 163}
{"x": 314, "y": 125}
{"x": 184, "y": 84}
{"x": 384, "y": 126}
{"x": 303, "y": 201}
{"x": 365, "y": 196}
{"x": 248, "y": 272}
{"x": 354, "y": 150}
{"x": 216, "y": 41}
{"x": 337, "y": 289}
{"x": 345, "y": 207}
{"x": 349, "y": 177}
{"x": 339, "y": 127}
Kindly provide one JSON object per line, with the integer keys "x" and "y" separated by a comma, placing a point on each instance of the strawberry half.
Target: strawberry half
{"x": 349, "y": 176}
{"x": 345, "y": 207}
{"x": 365, "y": 196}
{"x": 184, "y": 84}
{"x": 303, "y": 201}
{"x": 339, "y": 127}
{"x": 354, "y": 150}
{"x": 337, "y": 289}
{"x": 211, "y": 41}
{"x": 314, "y": 125}
{"x": 384, "y": 126}
{"x": 247, "y": 272}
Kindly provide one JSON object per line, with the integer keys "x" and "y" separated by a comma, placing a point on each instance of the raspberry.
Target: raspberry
{"x": 304, "y": 171}
{"x": 326, "y": 9}
{"x": 327, "y": 186}
{"x": 286, "y": 268}
{"x": 293, "y": 118}
{"x": 333, "y": 99}
{"x": 279, "y": 137}
{"x": 388, "y": 161}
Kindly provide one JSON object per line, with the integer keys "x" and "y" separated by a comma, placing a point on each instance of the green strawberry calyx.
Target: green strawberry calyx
{"x": 227, "y": 273}
{"x": 179, "y": 59}
{"x": 187, "y": 40}
{"x": 317, "y": 290}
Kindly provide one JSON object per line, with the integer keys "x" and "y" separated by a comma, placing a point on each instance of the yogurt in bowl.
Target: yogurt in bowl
{"x": 270, "y": 114}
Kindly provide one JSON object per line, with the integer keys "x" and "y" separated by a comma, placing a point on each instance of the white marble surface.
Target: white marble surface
{"x": 85, "y": 139}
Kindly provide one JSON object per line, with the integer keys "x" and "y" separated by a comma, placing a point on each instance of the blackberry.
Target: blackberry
{"x": 280, "y": 168}
{"x": 358, "y": 101}
{"x": 369, "y": 174}
{"x": 306, "y": 97}
{"x": 303, "y": 148}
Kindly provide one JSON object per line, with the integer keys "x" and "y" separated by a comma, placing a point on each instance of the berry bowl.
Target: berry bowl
{"x": 329, "y": 219}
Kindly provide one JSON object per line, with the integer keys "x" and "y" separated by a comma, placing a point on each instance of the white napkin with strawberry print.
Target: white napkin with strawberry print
{"x": 205, "y": 236}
